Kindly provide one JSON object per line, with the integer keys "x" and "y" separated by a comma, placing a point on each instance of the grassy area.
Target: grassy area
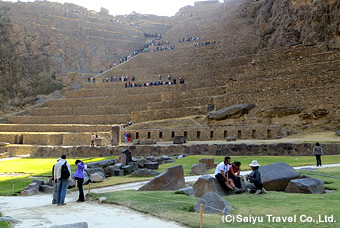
{"x": 177, "y": 207}
{"x": 187, "y": 162}
{"x": 33, "y": 167}
{"x": 4, "y": 224}
{"x": 42, "y": 167}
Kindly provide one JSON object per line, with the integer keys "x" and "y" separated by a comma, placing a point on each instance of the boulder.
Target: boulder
{"x": 235, "y": 111}
{"x": 170, "y": 179}
{"x": 281, "y": 111}
{"x": 151, "y": 158}
{"x": 151, "y": 165}
{"x": 100, "y": 164}
{"x": 168, "y": 161}
{"x": 128, "y": 156}
{"x": 119, "y": 172}
{"x": 213, "y": 203}
{"x": 319, "y": 113}
{"x": 144, "y": 173}
{"x": 39, "y": 182}
{"x": 95, "y": 170}
{"x": 71, "y": 183}
{"x": 73, "y": 225}
{"x": 230, "y": 139}
{"x": 110, "y": 170}
{"x": 189, "y": 191}
{"x": 276, "y": 176}
{"x": 206, "y": 184}
{"x": 306, "y": 185}
{"x": 127, "y": 169}
{"x": 33, "y": 185}
{"x": 141, "y": 162}
{"x": 122, "y": 159}
{"x": 209, "y": 162}
{"x": 198, "y": 169}
{"x": 96, "y": 177}
{"x": 134, "y": 166}
{"x": 337, "y": 133}
{"x": 179, "y": 140}
{"x": 119, "y": 165}
{"x": 30, "y": 192}
{"x": 46, "y": 188}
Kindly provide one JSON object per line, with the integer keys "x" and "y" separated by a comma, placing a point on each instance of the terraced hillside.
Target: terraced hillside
{"x": 293, "y": 88}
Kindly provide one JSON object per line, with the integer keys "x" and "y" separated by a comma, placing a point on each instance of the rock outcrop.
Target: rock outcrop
{"x": 171, "y": 179}
{"x": 276, "y": 176}
{"x": 306, "y": 185}
{"x": 235, "y": 111}
{"x": 213, "y": 203}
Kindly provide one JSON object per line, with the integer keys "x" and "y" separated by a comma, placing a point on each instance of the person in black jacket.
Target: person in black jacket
{"x": 318, "y": 152}
{"x": 256, "y": 184}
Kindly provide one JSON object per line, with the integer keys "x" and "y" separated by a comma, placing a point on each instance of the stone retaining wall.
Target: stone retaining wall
{"x": 54, "y": 128}
{"x": 206, "y": 134}
{"x": 230, "y": 149}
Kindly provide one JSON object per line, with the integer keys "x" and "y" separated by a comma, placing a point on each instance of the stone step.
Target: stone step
{"x": 71, "y": 119}
{"x": 96, "y": 110}
{"x": 104, "y": 101}
{"x": 54, "y": 128}
{"x": 160, "y": 114}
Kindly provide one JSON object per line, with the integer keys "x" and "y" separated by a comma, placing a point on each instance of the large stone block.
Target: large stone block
{"x": 100, "y": 164}
{"x": 213, "y": 203}
{"x": 337, "y": 133}
{"x": 206, "y": 184}
{"x": 134, "y": 166}
{"x": 127, "y": 169}
{"x": 96, "y": 177}
{"x": 171, "y": 179}
{"x": 209, "y": 162}
{"x": 30, "y": 192}
{"x": 235, "y": 111}
{"x": 119, "y": 172}
{"x": 306, "y": 185}
{"x": 151, "y": 165}
{"x": 39, "y": 182}
{"x": 96, "y": 170}
{"x": 144, "y": 173}
{"x": 46, "y": 188}
{"x": 110, "y": 170}
{"x": 198, "y": 169}
{"x": 276, "y": 176}
{"x": 128, "y": 156}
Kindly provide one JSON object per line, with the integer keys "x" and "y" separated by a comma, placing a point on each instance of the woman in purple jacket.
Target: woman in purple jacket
{"x": 79, "y": 176}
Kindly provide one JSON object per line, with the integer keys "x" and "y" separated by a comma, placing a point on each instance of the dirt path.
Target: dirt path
{"x": 37, "y": 211}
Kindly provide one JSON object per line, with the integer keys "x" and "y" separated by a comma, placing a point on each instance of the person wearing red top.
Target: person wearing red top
{"x": 234, "y": 174}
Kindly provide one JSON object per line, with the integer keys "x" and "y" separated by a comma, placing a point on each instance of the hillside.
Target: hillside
{"x": 239, "y": 52}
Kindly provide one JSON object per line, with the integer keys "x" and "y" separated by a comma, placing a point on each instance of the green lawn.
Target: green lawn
{"x": 4, "y": 224}
{"x": 178, "y": 207}
{"x": 42, "y": 167}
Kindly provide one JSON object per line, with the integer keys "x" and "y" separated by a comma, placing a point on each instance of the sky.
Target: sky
{"x": 121, "y": 7}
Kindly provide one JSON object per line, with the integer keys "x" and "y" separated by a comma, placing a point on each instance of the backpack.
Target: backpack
{"x": 65, "y": 173}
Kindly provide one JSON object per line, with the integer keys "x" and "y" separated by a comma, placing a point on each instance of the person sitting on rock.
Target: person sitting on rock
{"x": 234, "y": 173}
{"x": 256, "y": 184}
{"x": 221, "y": 174}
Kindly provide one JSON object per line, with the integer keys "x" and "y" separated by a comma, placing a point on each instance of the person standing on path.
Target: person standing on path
{"x": 54, "y": 184}
{"x": 61, "y": 180}
{"x": 318, "y": 152}
{"x": 79, "y": 176}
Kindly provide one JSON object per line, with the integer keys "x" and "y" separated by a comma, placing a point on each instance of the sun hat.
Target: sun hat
{"x": 254, "y": 163}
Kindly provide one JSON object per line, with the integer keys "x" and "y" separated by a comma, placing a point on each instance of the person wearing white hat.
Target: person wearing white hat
{"x": 256, "y": 184}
